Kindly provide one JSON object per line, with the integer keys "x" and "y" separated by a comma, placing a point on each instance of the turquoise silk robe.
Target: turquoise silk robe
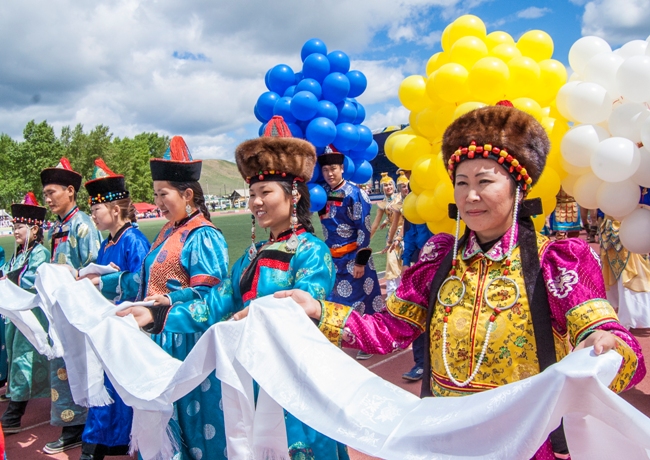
{"x": 197, "y": 421}
{"x": 273, "y": 269}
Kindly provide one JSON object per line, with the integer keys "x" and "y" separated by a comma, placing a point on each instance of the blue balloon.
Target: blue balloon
{"x": 266, "y": 103}
{"x": 358, "y": 83}
{"x": 299, "y": 77}
{"x": 321, "y": 131}
{"x": 316, "y": 66}
{"x": 302, "y": 124}
{"x": 312, "y": 46}
{"x": 304, "y": 105}
{"x": 295, "y": 130}
{"x": 336, "y": 87}
{"x": 280, "y": 78}
{"x": 320, "y": 150}
{"x": 372, "y": 151}
{"x": 283, "y": 108}
{"x": 317, "y": 197}
{"x": 290, "y": 91}
{"x": 365, "y": 138}
{"x": 328, "y": 110}
{"x": 357, "y": 155}
{"x": 261, "y": 130}
{"x": 361, "y": 114}
{"x": 259, "y": 117}
{"x": 362, "y": 173}
{"x": 347, "y": 136}
{"x": 348, "y": 168}
{"x": 266, "y": 79}
{"x": 311, "y": 85}
{"x": 317, "y": 175}
{"x": 347, "y": 112}
{"x": 339, "y": 61}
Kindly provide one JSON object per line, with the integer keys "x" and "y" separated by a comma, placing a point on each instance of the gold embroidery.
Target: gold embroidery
{"x": 55, "y": 395}
{"x": 628, "y": 367}
{"x": 62, "y": 374}
{"x": 67, "y": 415}
{"x": 584, "y": 318}
{"x": 410, "y": 312}
{"x": 333, "y": 317}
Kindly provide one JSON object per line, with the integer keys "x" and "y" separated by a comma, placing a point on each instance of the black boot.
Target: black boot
{"x": 12, "y": 416}
{"x": 92, "y": 451}
{"x": 70, "y": 438}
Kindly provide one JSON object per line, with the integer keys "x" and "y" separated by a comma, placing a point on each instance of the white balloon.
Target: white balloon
{"x": 642, "y": 175}
{"x": 633, "y": 79}
{"x": 602, "y": 69}
{"x": 579, "y": 144}
{"x": 573, "y": 170}
{"x": 585, "y": 190}
{"x": 634, "y": 233}
{"x": 615, "y": 159}
{"x": 627, "y": 120}
{"x": 645, "y": 132}
{"x": 575, "y": 76}
{"x": 633, "y": 48}
{"x": 618, "y": 199}
{"x": 568, "y": 184}
{"x": 562, "y": 97}
{"x": 589, "y": 103}
{"x": 584, "y": 49}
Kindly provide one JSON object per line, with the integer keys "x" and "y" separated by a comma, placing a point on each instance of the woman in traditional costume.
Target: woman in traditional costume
{"x": 108, "y": 428}
{"x": 188, "y": 258}
{"x": 565, "y": 220}
{"x": 501, "y": 303}
{"x": 277, "y": 167}
{"x": 28, "y": 370}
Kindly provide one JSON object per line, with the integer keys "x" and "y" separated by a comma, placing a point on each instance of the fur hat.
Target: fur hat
{"x": 276, "y": 156}
{"x": 514, "y": 139}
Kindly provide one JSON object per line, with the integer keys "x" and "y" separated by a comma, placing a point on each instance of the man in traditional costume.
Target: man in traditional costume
{"x": 74, "y": 241}
{"x": 565, "y": 219}
{"x": 493, "y": 310}
{"x": 29, "y": 371}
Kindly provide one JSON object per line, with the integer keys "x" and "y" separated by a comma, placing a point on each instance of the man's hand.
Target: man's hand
{"x": 159, "y": 300}
{"x": 93, "y": 277}
{"x": 358, "y": 271}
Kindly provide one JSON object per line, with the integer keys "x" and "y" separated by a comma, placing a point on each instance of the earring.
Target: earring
{"x": 188, "y": 210}
{"x": 252, "y": 252}
{"x": 292, "y": 244}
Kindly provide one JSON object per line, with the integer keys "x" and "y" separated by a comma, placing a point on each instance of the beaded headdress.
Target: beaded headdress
{"x": 28, "y": 212}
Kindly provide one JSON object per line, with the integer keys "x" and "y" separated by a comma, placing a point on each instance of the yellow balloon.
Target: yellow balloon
{"x": 413, "y": 93}
{"x": 488, "y": 80}
{"x": 528, "y": 105}
{"x": 436, "y": 61}
{"x": 409, "y": 210}
{"x": 466, "y": 107}
{"x": 536, "y": 44}
{"x": 427, "y": 206}
{"x": 560, "y": 128}
{"x": 444, "y": 116}
{"x": 415, "y": 148}
{"x": 441, "y": 168}
{"x": 524, "y": 77}
{"x": 467, "y": 50}
{"x": 445, "y": 39}
{"x": 424, "y": 172}
{"x": 467, "y": 25}
{"x": 547, "y": 186}
{"x": 547, "y": 123}
{"x": 505, "y": 51}
{"x": 548, "y": 205}
{"x": 398, "y": 145}
{"x": 445, "y": 225}
{"x": 426, "y": 123}
{"x": 415, "y": 188}
{"x": 497, "y": 38}
{"x": 539, "y": 222}
{"x": 444, "y": 193}
{"x": 390, "y": 142}
{"x": 552, "y": 76}
{"x": 568, "y": 183}
{"x": 546, "y": 111}
{"x": 449, "y": 83}
{"x": 412, "y": 123}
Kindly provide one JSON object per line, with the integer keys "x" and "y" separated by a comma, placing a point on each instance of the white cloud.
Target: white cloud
{"x": 532, "y": 12}
{"x": 394, "y": 115}
{"x": 617, "y": 21}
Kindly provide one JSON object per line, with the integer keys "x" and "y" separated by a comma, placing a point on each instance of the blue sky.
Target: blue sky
{"x": 196, "y": 67}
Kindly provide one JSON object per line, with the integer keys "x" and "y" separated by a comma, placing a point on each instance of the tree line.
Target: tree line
{"x": 22, "y": 161}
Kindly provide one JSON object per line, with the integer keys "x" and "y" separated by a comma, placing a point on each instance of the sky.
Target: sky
{"x": 196, "y": 67}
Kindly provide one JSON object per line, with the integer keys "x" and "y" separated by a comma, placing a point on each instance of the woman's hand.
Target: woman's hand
{"x": 93, "y": 277}
{"x": 602, "y": 341}
{"x": 358, "y": 271}
{"x": 142, "y": 315}
{"x": 311, "y": 306}
{"x": 116, "y": 267}
{"x": 159, "y": 300}
{"x": 240, "y": 314}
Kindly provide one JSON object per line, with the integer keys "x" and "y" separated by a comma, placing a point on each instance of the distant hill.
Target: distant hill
{"x": 220, "y": 177}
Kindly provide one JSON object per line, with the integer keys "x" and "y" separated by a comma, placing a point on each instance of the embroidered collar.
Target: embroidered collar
{"x": 118, "y": 235}
{"x": 285, "y": 235}
{"x": 497, "y": 253}
{"x": 69, "y": 215}
{"x": 182, "y": 222}
{"x": 341, "y": 184}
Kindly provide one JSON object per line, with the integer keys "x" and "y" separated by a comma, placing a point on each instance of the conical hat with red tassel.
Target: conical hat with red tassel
{"x": 177, "y": 164}
{"x": 105, "y": 186}
{"x": 28, "y": 212}
{"x": 62, "y": 174}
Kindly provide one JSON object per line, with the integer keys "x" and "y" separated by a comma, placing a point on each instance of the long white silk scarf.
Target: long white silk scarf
{"x": 299, "y": 370}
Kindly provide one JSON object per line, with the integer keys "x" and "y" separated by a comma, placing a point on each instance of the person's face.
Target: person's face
{"x": 170, "y": 201}
{"x": 484, "y": 194}
{"x": 104, "y": 215}
{"x": 58, "y": 198}
{"x": 270, "y": 205}
{"x": 403, "y": 189}
{"x": 24, "y": 233}
{"x": 389, "y": 189}
{"x": 333, "y": 174}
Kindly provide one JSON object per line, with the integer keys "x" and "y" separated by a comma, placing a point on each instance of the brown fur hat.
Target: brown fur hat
{"x": 507, "y": 128}
{"x": 287, "y": 155}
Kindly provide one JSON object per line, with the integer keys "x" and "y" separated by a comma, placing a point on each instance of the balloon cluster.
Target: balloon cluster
{"x": 607, "y": 98}
{"x": 318, "y": 104}
{"x": 474, "y": 69}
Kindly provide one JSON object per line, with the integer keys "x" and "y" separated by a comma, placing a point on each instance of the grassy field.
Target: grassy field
{"x": 236, "y": 230}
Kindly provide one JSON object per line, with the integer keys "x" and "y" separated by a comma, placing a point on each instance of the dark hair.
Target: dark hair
{"x": 199, "y": 199}
{"x": 304, "y": 204}
{"x": 127, "y": 210}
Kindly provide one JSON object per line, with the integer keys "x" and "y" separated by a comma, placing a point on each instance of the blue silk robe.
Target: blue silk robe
{"x": 74, "y": 241}
{"x": 346, "y": 230}
{"x": 111, "y": 425}
{"x": 274, "y": 269}
{"x": 29, "y": 371}
{"x": 197, "y": 421}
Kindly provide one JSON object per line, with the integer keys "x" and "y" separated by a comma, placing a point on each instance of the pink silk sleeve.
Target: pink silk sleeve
{"x": 406, "y": 310}
{"x": 579, "y": 306}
